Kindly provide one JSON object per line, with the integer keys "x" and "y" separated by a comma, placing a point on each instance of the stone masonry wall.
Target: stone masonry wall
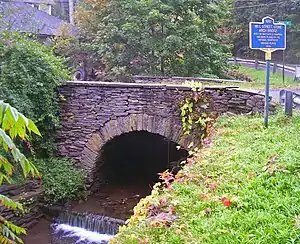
{"x": 29, "y": 194}
{"x": 92, "y": 113}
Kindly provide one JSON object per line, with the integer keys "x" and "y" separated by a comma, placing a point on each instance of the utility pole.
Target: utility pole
{"x": 71, "y": 11}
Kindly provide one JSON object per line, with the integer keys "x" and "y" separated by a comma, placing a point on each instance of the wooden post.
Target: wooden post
{"x": 71, "y": 11}
{"x": 297, "y": 73}
{"x": 274, "y": 67}
{"x": 256, "y": 63}
{"x": 288, "y": 105}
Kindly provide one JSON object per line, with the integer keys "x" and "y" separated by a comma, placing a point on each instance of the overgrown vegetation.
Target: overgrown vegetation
{"x": 29, "y": 76}
{"x": 13, "y": 126}
{"x": 195, "y": 114}
{"x": 244, "y": 188}
{"x": 60, "y": 180}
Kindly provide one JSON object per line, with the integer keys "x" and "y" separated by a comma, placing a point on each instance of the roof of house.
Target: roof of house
{"x": 22, "y": 17}
{"x": 51, "y": 2}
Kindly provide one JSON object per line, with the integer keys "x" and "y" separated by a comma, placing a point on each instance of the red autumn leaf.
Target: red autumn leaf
{"x": 226, "y": 202}
{"x": 213, "y": 186}
{"x": 171, "y": 209}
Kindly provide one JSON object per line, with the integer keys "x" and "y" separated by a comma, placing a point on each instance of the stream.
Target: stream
{"x": 115, "y": 201}
{"x": 120, "y": 181}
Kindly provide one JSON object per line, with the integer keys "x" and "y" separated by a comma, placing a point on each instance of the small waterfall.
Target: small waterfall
{"x": 84, "y": 228}
{"x": 91, "y": 222}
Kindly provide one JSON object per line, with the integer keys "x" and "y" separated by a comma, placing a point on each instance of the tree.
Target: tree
{"x": 176, "y": 37}
{"x": 13, "y": 125}
{"x": 29, "y": 77}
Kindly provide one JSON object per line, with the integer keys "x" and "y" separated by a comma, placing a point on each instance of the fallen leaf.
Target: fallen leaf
{"x": 213, "y": 186}
{"x": 226, "y": 202}
{"x": 171, "y": 209}
{"x": 251, "y": 174}
{"x": 203, "y": 197}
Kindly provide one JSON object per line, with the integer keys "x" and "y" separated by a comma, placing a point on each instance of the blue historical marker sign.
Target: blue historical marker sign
{"x": 267, "y": 35}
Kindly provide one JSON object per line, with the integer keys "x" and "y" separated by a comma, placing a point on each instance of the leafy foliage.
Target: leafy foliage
{"x": 195, "y": 112}
{"x": 29, "y": 76}
{"x": 13, "y": 125}
{"x": 242, "y": 189}
{"x": 61, "y": 181}
{"x": 154, "y": 37}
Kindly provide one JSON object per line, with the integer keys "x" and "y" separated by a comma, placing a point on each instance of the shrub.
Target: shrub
{"x": 240, "y": 75}
{"x": 29, "y": 76}
{"x": 60, "y": 180}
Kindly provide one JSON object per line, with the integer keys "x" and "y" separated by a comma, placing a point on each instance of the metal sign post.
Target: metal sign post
{"x": 268, "y": 37}
{"x": 267, "y": 95}
{"x": 283, "y": 66}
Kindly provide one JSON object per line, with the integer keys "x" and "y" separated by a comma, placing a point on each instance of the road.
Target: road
{"x": 278, "y": 70}
{"x": 261, "y": 65}
{"x": 274, "y": 92}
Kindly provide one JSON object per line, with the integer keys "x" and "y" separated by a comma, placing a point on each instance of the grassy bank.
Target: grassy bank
{"x": 243, "y": 188}
{"x": 260, "y": 79}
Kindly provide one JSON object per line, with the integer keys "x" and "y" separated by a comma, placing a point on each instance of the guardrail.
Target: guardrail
{"x": 256, "y": 62}
{"x": 290, "y": 100}
{"x": 286, "y": 69}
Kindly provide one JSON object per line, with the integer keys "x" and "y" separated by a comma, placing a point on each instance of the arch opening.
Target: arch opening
{"x": 127, "y": 167}
{"x": 137, "y": 157}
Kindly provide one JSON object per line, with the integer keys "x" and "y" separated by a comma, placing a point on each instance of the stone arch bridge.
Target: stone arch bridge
{"x": 93, "y": 113}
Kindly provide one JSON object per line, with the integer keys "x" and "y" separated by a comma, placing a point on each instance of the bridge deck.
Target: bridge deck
{"x": 184, "y": 87}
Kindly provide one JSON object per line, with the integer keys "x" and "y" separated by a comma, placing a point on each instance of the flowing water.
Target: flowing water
{"x": 84, "y": 228}
{"x": 112, "y": 200}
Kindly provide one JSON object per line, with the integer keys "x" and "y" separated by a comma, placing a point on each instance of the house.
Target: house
{"x": 43, "y": 5}
{"x": 31, "y": 16}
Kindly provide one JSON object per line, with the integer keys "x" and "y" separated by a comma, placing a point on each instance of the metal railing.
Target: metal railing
{"x": 290, "y": 100}
{"x": 257, "y": 63}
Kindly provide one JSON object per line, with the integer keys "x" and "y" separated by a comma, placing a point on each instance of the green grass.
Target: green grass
{"x": 260, "y": 79}
{"x": 258, "y": 169}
